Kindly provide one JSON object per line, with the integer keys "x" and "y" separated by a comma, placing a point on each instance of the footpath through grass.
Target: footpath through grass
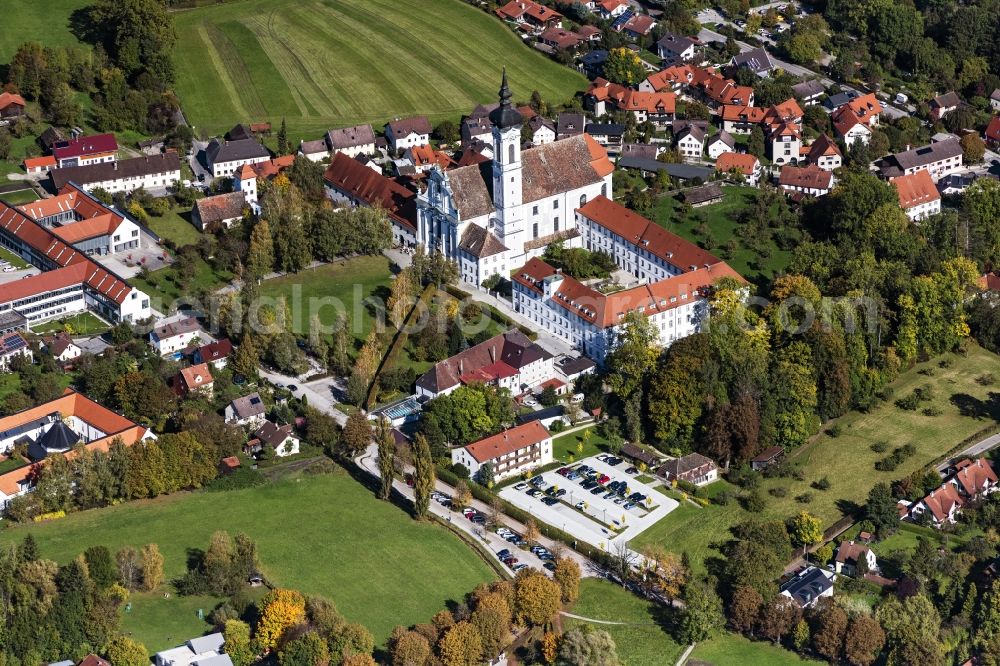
{"x": 328, "y": 63}
{"x": 643, "y": 641}
{"x": 325, "y": 535}
{"x": 848, "y": 460}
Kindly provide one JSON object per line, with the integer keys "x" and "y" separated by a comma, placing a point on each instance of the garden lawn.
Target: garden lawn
{"x": 46, "y": 22}
{"x": 326, "y": 63}
{"x": 84, "y": 323}
{"x": 350, "y": 286}
{"x": 848, "y": 461}
{"x": 176, "y": 226}
{"x": 18, "y": 197}
{"x": 14, "y": 260}
{"x": 643, "y": 641}
{"x": 721, "y": 219}
{"x": 164, "y": 287}
{"x": 325, "y": 535}
{"x": 565, "y": 446}
{"x": 735, "y": 650}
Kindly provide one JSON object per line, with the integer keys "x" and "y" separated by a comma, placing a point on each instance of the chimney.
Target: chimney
{"x": 493, "y": 353}
{"x": 461, "y": 364}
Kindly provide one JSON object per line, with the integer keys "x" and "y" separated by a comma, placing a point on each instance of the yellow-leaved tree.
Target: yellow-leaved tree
{"x": 282, "y": 610}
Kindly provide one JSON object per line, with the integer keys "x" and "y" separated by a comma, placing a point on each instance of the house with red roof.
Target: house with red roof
{"x": 992, "y": 133}
{"x": 77, "y": 218}
{"x": 527, "y": 12}
{"x": 195, "y": 380}
{"x": 39, "y": 166}
{"x": 968, "y": 481}
{"x": 508, "y": 453}
{"x": 824, "y": 153}
{"x": 672, "y": 277}
{"x": 809, "y": 180}
{"x": 11, "y": 106}
{"x": 918, "y": 195}
{"x": 855, "y": 120}
{"x": 349, "y": 182}
{"x": 745, "y": 164}
{"x": 84, "y": 150}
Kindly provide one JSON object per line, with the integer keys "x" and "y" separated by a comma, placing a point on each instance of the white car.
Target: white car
{"x": 530, "y": 402}
{"x": 9, "y": 269}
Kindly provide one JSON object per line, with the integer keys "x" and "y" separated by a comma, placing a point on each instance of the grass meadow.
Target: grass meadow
{"x": 324, "y": 63}
{"x": 324, "y": 534}
{"x": 848, "y": 460}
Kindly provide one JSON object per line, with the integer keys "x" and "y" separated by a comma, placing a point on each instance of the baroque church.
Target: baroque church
{"x": 490, "y": 218}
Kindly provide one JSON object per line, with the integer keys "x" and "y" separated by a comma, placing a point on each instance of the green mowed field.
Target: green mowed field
{"x": 352, "y": 287}
{"x": 325, "y": 535}
{"x": 735, "y": 650}
{"x": 328, "y": 63}
{"x": 848, "y": 460}
{"x": 18, "y": 197}
{"x": 46, "y": 22}
{"x": 642, "y": 641}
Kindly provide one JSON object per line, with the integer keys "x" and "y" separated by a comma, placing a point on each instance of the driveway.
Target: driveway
{"x": 319, "y": 393}
{"x": 199, "y": 162}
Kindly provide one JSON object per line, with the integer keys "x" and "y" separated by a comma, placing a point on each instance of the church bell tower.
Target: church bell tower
{"x": 507, "y": 170}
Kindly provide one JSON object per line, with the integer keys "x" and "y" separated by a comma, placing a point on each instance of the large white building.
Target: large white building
{"x": 70, "y": 281}
{"x": 918, "y": 196}
{"x": 509, "y": 452}
{"x": 149, "y": 172}
{"x": 671, "y": 276}
{"x": 492, "y": 217}
{"x": 79, "y": 219}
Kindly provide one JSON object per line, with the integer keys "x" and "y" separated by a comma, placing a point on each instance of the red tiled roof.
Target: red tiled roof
{"x": 974, "y": 476}
{"x": 915, "y": 189}
{"x": 6, "y": 99}
{"x": 196, "y": 376}
{"x": 859, "y": 110}
{"x": 508, "y": 441}
{"x": 990, "y": 282}
{"x": 822, "y": 147}
{"x": 353, "y": 177}
{"x": 942, "y": 501}
{"x": 39, "y": 162}
{"x": 744, "y": 163}
{"x": 992, "y": 132}
{"x": 742, "y": 113}
{"x": 667, "y": 78}
{"x": 102, "y": 225}
{"x": 84, "y": 146}
{"x": 810, "y": 177}
{"x": 215, "y": 351}
{"x": 640, "y": 24}
{"x": 425, "y": 155}
{"x": 560, "y": 37}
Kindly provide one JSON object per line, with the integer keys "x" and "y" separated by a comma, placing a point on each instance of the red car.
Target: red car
{"x": 604, "y": 478}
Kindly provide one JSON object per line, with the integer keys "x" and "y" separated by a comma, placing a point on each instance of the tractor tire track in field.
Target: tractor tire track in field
{"x": 220, "y": 67}
{"x": 301, "y": 67}
{"x": 238, "y": 73}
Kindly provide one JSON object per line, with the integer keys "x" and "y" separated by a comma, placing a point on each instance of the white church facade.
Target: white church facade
{"x": 490, "y": 218}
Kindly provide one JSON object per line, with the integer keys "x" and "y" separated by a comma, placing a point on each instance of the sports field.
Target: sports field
{"x": 328, "y": 63}
{"x": 324, "y": 535}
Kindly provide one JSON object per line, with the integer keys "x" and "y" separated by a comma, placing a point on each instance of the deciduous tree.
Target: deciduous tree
{"x": 702, "y": 616}
{"x": 537, "y": 599}
{"x": 152, "y": 567}
{"x": 237, "y": 642}
{"x": 864, "y": 640}
{"x": 744, "y": 607}
{"x": 829, "y": 630}
{"x": 461, "y": 645}
{"x": 567, "y": 575}
{"x": 423, "y": 476}
{"x": 281, "y": 610}
{"x": 588, "y": 647}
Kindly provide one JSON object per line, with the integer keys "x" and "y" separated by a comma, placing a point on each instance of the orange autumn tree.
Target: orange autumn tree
{"x": 282, "y": 610}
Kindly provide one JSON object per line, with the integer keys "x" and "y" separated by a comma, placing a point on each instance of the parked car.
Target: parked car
{"x": 518, "y": 567}
{"x": 560, "y": 492}
{"x": 581, "y": 505}
{"x": 521, "y": 486}
{"x": 632, "y": 470}
{"x": 503, "y": 553}
{"x": 479, "y": 519}
{"x": 549, "y": 565}
{"x": 597, "y": 491}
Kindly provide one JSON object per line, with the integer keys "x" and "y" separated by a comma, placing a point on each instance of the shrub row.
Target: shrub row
{"x": 891, "y": 462}
{"x": 398, "y": 343}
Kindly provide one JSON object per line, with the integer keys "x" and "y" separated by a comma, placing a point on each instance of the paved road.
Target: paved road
{"x": 976, "y": 449}
{"x": 487, "y": 538}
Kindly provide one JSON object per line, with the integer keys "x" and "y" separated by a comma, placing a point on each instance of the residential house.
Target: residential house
{"x": 570, "y": 124}
{"x": 647, "y": 151}
{"x": 853, "y": 559}
{"x": 717, "y": 91}
{"x": 196, "y": 380}
{"x": 720, "y": 143}
{"x": 991, "y": 134}
{"x": 247, "y": 411}
{"x": 940, "y": 158}
{"x": 691, "y": 142}
{"x": 995, "y": 99}
{"x": 94, "y": 660}
{"x": 590, "y": 33}
{"x": 824, "y": 153}
{"x": 744, "y": 164}
{"x": 608, "y": 135}
{"x": 529, "y": 13}
{"x": 546, "y": 416}
{"x": 560, "y": 39}
{"x": 809, "y": 586}
{"x": 403, "y": 133}
{"x": 638, "y": 26}
{"x": 39, "y": 166}
{"x": 941, "y": 105}
{"x": 603, "y": 97}
{"x": 741, "y": 119}
{"x": 75, "y": 419}
{"x": 638, "y": 454}
{"x": 424, "y": 157}
{"x": 225, "y": 157}
{"x": 918, "y": 196}
{"x": 314, "y": 151}
{"x": 216, "y": 354}
{"x": 837, "y": 100}
{"x": 969, "y": 480}
{"x": 956, "y": 183}
{"x": 509, "y": 360}
{"x": 508, "y": 453}
{"x": 769, "y": 456}
{"x": 62, "y": 347}
{"x": 676, "y": 46}
{"x": 784, "y": 142}
{"x": 543, "y": 131}
{"x": 672, "y": 79}
{"x": 13, "y": 346}
{"x": 84, "y": 150}
{"x": 692, "y": 468}
{"x": 476, "y": 128}
{"x": 610, "y": 9}
{"x": 219, "y": 212}
{"x": 808, "y": 180}
{"x": 809, "y": 91}
{"x": 857, "y": 118}
{"x": 149, "y": 172}
{"x": 756, "y": 60}
{"x": 195, "y": 652}
{"x": 350, "y": 182}
{"x": 352, "y": 141}
{"x": 673, "y": 274}
{"x": 11, "y": 106}
{"x": 280, "y": 439}
{"x": 174, "y": 336}
{"x": 572, "y": 368}
{"x": 592, "y": 62}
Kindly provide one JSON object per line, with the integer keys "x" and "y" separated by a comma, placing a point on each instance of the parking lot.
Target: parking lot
{"x": 594, "y": 501}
